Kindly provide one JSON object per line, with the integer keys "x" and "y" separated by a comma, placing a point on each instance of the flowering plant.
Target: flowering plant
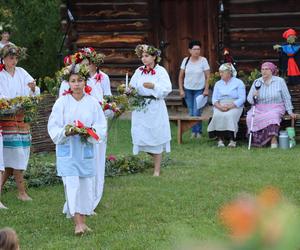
{"x": 20, "y": 103}
{"x": 6, "y": 17}
{"x": 263, "y": 222}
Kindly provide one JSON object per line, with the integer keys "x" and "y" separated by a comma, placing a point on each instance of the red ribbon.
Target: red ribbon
{"x": 99, "y": 77}
{"x": 2, "y": 66}
{"x": 90, "y": 131}
{"x": 68, "y": 92}
{"x": 88, "y": 89}
{"x": 147, "y": 71}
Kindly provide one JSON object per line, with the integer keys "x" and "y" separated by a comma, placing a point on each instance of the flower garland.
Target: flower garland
{"x": 81, "y": 69}
{"x": 28, "y": 104}
{"x": 151, "y": 50}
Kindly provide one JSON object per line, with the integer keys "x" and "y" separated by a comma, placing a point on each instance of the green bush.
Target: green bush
{"x": 41, "y": 169}
{"x": 37, "y": 25}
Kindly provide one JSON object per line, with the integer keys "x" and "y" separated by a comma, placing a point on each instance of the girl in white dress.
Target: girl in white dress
{"x": 98, "y": 86}
{"x": 150, "y": 127}
{"x": 15, "y": 81}
{"x": 76, "y": 161}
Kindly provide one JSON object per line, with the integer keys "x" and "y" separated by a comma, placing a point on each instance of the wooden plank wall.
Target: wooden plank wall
{"x": 252, "y": 27}
{"x": 185, "y": 20}
{"x": 114, "y": 28}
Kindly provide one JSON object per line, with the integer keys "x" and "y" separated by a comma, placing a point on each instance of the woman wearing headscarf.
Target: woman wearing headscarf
{"x": 273, "y": 100}
{"x": 228, "y": 98}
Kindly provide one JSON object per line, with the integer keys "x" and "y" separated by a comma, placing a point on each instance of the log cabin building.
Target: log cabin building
{"x": 249, "y": 28}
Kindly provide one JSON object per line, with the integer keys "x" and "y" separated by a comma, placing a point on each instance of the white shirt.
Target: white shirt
{"x": 16, "y": 85}
{"x": 194, "y": 77}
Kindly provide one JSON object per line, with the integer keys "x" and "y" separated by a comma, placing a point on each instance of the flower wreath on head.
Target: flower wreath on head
{"x": 80, "y": 69}
{"x": 76, "y": 58}
{"x": 151, "y": 50}
{"x": 96, "y": 58}
{"x": 11, "y": 49}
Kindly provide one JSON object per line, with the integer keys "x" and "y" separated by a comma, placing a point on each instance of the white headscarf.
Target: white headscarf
{"x": 228, "y": 67}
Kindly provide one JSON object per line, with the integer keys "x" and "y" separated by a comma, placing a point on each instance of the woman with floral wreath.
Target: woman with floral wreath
{"x": 98, "y": 86}
{"x": 150, "y": 127}
{"x": 15, "y": 81}
{"x": 75, "y": 125}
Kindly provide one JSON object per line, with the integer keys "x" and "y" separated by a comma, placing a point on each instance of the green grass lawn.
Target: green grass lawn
{"x": 143, "y": 212}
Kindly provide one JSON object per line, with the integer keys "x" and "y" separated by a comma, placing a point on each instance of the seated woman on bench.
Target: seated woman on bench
{"x": 228, "y": 99}
{"x": 272, "y": 99}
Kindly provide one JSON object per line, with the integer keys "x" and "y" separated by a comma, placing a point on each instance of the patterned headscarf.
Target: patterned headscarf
{"x": 228, "y": 67}
{"x": 270, "y": 66}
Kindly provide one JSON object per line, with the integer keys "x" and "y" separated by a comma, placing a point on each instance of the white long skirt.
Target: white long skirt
{"x": 100, "y": 172}
{"x": 79, "y": 193}
{"x": 152, "y": 149}
{"x": 222, "y": 121}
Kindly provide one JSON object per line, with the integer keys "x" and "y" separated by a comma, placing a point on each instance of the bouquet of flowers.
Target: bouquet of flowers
{"x": 110, "y": 104}
{"x": 20, "y": 103}
{"x": 135, "y": 101}
{"x": 79, "y": 129}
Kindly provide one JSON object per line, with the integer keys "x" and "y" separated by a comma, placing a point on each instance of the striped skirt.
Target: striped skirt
{"x": 16, "y": 141}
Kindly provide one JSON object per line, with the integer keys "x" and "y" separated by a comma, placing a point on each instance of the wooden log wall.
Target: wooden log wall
{"x": 252, "y": 27}
{"x": 114, "y": 28}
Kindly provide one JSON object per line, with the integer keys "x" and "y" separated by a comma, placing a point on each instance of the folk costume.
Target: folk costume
{"x": 76, "y": 161}
{"x": 289, "y": 62}
{"x": 16, "y": 133}
{"x": 150, "y": 127}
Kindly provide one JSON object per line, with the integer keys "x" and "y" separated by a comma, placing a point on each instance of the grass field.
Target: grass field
{"x": 143, "y": 212}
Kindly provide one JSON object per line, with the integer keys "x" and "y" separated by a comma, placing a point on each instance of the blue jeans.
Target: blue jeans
{"x": 190, "y": 99}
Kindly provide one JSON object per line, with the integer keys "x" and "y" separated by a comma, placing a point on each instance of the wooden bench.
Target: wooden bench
{"x": 185, "y": 122}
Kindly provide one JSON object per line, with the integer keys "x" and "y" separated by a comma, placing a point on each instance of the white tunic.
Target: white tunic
{"x": 11, "y": 87}
{"x": 79, "y": 190}
{"x": 150, "y": 127}
{"x": 17, "y": 85}
{"x": 100, "y": 89}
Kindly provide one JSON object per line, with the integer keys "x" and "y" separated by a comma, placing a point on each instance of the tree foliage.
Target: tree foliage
{"x": 37, "y": 24}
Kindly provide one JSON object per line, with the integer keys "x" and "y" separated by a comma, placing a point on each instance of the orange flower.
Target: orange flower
{"x": 240, "y": 217}
{"x": 269, "y": 197}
